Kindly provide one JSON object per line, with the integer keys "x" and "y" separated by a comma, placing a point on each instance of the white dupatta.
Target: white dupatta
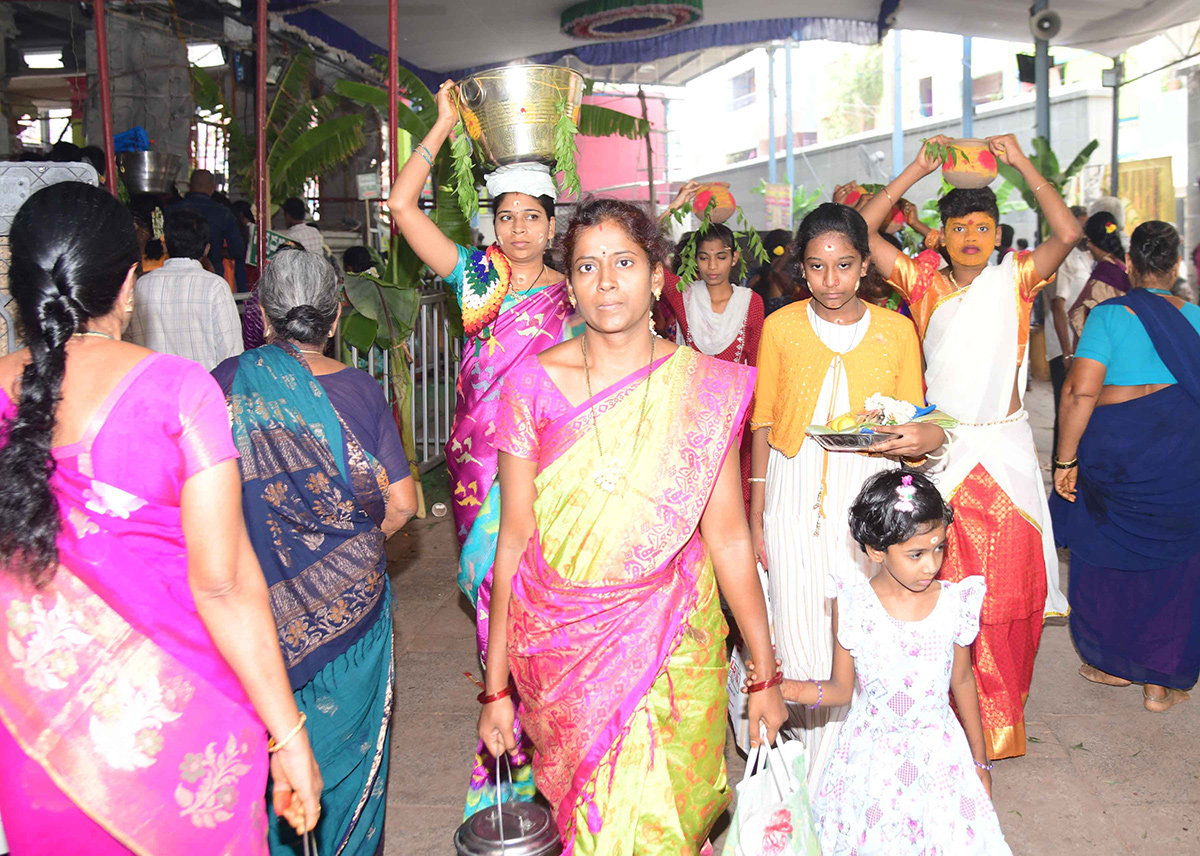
{"x": 713, "y": 332}
{"x": 970, "y": 353}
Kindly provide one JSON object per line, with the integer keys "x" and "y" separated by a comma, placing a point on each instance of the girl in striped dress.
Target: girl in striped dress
{"x": 819, "y": 359}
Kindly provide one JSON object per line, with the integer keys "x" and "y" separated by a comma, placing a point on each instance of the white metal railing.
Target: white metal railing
{"x": 435, "y": 354}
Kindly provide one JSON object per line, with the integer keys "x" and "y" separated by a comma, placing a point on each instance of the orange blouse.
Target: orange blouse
{"x": 926, "y": 286}
{"x": 792, "y": 361}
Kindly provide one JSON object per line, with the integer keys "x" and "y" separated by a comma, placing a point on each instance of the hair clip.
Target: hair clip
{"x": 778, "y": 251}
{"x": 905, "y": 492}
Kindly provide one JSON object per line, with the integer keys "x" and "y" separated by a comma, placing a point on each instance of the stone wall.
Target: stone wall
{"x": 150, "y": 85}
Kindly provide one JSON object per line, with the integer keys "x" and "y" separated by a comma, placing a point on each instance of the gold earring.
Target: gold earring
{"x": 129, "y": 305}
{"x": 657, "y": 294}
{"x": 571, "y": 297}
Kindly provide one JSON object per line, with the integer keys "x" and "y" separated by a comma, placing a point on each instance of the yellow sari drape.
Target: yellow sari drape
{"x": 616, "y": 637}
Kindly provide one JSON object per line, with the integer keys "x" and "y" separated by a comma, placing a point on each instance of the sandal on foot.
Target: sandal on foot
{"x": 1096, "y": 676}
{"x": 1162, "y": 705}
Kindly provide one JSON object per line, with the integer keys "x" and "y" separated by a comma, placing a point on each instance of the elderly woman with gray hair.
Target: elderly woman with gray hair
{"x": 324, "y": 482}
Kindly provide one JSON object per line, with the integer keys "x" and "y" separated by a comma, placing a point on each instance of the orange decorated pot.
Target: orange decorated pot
{"x": 718, "y": 190}
{"x": 974, "y": 165}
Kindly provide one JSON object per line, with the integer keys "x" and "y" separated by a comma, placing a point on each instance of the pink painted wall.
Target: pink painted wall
{"x": 607, "y": 162}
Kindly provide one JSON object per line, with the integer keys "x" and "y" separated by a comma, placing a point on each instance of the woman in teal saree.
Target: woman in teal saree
{"x": 324, "y": 483}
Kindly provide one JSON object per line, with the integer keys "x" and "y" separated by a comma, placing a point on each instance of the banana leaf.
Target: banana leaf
{"x": 597, "y": 121}
{"x": 1081, "y": 159}
{"x": 374, "y": 96}
{"x": 315, "y": 152}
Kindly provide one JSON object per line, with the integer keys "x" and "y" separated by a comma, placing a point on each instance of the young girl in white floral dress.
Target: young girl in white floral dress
{"x": 905, "y": 776}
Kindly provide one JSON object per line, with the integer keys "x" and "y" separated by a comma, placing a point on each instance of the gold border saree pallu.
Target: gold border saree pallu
{"x": 615, "y": 634}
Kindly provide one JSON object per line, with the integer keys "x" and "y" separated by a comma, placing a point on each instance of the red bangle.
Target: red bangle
{"x": 484, "y": 698}
{"x": 767, "y": 684}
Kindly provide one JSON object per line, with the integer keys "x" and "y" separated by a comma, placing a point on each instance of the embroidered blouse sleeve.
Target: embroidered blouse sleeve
{"x": 913, "y": 277}
{"x": 1028, "y": 280}
{"x": 455, "y": 279}
{"x": 766, "y": 388}
{"x": 969, "y": 594}
{"x": 205, "y": 438}
{"x": 517, "y": 433}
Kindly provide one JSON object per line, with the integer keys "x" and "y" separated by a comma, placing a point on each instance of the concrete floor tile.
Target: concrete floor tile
{"x": 431, "y": 760}
{"x": 420, "y": 830}
{"x": 1059, "y": 690}
{"x": 433, "y": 684}
{"x": 1132, "y": 758}
{"x": 410, "y": 616}
{"x": 1044, "y": 809}
{"x": 1158, "y": 829}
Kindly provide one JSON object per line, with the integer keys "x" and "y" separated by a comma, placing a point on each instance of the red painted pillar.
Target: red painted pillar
{"x": 393, "y": 97}
{"x": 260, "y": 135}
{"x": 106, "y": 122}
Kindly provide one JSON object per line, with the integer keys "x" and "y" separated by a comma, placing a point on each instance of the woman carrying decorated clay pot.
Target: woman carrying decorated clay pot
{"x": 973, "y": 318}
{"x": 821, "y": 359}
{"x": 513, "y": 306}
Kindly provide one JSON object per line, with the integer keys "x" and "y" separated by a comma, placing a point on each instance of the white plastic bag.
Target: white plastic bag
{"x": 739, "y": 702}
{"x": 773, "y": 816}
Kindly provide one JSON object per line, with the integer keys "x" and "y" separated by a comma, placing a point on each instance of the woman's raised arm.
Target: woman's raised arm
{"x": 422, "y": 234}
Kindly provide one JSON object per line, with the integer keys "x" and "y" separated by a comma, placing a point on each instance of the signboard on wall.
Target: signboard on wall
{"x": 368, "y": 185}
{"x": 778, "y": 200}
{"x": 275, "y": 240}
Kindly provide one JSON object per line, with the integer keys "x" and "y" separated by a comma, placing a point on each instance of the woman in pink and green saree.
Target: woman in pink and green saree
{"x": 513, "y": 305}
{"x": 140, "y": 674}
{"x": 621, "y": 512}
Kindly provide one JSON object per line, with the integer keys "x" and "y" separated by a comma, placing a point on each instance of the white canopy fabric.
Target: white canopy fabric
{"x": 1105, "y": 26}
{"x": 447, "y": 35}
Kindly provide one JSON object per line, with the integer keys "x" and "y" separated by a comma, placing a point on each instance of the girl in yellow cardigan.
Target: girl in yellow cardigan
{"x": 819, "y": 359}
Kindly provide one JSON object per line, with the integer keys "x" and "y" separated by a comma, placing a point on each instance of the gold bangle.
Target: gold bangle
{"x": 889, "y": 196}
{"x": 753, "y": 480}
{"x": 273, "y": 747}
{"x": 1039, "y": 187}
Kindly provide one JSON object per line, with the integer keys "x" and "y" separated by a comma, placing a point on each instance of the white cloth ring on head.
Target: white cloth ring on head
{"x": 533, "y": 179}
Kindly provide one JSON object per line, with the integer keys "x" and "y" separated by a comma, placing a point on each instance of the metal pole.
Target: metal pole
{"x": 791, "y": 136}
{"x": 897, "y": 107}
{"x": 394, "y": 98}
{"x": 260, "y": 142}
{"x": 1041, "y": 77}
{"x": 968, "y": 91}
{"x": 649, "y": 155}
{"x": 106, "y": 122}
{"x": 771, "y": 168}
{"x": 1118, "y": 73}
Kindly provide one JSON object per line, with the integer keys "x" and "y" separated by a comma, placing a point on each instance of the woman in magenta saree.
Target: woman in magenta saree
{"x": 132, "y": 703}
{"x": 621, "y": 513}
{"x": 513, "y": 306}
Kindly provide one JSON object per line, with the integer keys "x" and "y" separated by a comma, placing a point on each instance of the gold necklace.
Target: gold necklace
{"x": 307, "y": 351}
{"x": 95, "y": 333}
{"x": 610, "y": 470}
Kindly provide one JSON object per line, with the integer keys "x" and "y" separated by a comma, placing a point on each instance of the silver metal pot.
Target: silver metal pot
{"x": 512, "y": 112}
{"x": 148, "y": 172}
{"x": 528, "y": 830}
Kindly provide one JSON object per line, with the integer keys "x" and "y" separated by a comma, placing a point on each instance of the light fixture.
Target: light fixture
{"x": 278, "y": 66}
{"x": 205, "y": 55}
{"x": 43, "y": 59}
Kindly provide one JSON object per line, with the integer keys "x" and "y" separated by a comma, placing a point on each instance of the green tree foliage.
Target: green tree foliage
{"x": 857, "y": 89}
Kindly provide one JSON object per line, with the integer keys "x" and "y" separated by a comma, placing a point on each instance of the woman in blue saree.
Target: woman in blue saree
{"x": 1127, "y": 479}
{"x": 324, "y": 483}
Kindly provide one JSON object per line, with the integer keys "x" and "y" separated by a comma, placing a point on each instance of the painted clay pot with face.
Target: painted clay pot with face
{"x": 974, "y": 165}
{"x": 725, "y": 205}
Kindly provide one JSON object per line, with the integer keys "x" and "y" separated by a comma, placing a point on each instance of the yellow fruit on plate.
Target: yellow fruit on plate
{"x": 842, "y": 423}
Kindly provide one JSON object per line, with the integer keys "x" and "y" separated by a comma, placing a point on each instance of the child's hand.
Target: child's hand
{"x": 924, "y": 161}
{"x": 843, "y": 190}
{"x": 985, "y": 776}
{"x": 752, "y": 674}
{"x": 1006, "y": 149}
{"x": 911, "y": 215}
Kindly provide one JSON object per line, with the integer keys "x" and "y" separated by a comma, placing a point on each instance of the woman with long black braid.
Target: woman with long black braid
{"x": 140, "y": 673}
